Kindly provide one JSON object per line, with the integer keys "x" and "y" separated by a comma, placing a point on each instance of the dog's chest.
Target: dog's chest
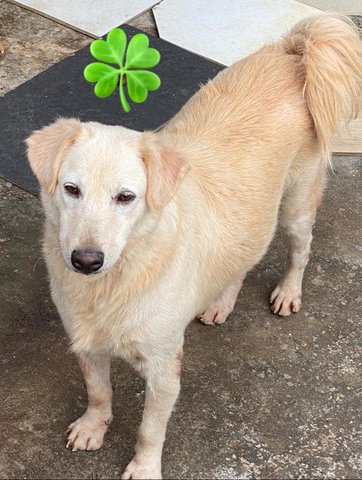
{"x": 108, "y": 326}
{"x": 137, "y": 330}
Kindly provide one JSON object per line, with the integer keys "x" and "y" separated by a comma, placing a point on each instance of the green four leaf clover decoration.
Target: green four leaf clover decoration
{"x": 132, "y": 64}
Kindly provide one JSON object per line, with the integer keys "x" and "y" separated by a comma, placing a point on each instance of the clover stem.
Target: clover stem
{"x": 124, "y": 102}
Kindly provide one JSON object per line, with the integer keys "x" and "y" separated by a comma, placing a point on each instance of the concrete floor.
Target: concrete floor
{"x": 262, "y": 396}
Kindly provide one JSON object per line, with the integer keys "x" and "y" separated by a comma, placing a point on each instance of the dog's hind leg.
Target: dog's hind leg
{"x": 88, "y": 431}
{"x": 224, "y": 305}
{"x": 298, "y": 213}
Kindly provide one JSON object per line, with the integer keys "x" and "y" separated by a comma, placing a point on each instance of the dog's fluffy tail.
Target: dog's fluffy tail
{"x": 331, "y": 56}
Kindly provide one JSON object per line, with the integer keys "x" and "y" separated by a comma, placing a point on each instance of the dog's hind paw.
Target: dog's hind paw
{"x": 215, "y": 314}
{"x": 87, "y": 432}
{"x": 219, "y": 311}
{"x": 284, "y": 302}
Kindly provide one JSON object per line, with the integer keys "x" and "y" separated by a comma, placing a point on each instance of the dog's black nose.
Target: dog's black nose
{"x": 87, "y": 261}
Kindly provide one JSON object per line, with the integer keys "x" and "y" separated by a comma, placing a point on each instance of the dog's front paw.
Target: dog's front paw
{"x": 88, "y": 431}
{"x": 284, "y": 302}
{"x": 137, "y": 471}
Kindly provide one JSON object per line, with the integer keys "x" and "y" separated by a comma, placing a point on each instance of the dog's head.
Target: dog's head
{"x": 99, "y": 183}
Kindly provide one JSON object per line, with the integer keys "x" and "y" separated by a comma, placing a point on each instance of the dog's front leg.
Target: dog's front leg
{"x": 88, "y": 431}
{"x": 162, "y": 390}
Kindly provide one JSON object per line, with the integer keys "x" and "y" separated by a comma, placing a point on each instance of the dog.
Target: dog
{"x": 146, "y": 231}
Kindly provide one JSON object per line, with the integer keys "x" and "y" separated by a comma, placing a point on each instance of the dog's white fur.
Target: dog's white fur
{"x": 208, "y": 190}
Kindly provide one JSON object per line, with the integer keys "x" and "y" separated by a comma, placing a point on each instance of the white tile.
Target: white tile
{"x": 93, "y": 17}
{"x": 349, "y": 7}
{"x": 226, "y": 30}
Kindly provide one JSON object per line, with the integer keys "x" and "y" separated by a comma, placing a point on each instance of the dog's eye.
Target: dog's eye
{"x": 125, "y": 197}
{"x": 73, "y": 190}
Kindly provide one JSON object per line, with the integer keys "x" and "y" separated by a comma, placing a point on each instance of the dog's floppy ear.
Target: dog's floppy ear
{"x": 47, "y": 148}
{"x": 165, "y": 170}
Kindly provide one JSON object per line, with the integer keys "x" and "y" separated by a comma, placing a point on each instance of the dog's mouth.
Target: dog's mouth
{"x": 88, "y": 274}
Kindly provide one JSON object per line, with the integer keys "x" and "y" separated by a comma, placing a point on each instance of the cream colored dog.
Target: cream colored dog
{"x": 145, "y": 231}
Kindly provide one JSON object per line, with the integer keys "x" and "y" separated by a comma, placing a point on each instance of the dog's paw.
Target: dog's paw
{"x": 284, "y": 302}
{"x": 137, "y": 471}
{"x": 87, "y": 432}
{"x": 217, "y": 313}
{"x": 213, "y": 315}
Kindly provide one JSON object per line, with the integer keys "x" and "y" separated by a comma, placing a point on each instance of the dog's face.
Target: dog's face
{"x": 100, "y": 196}
{"x": 99, "y": 183}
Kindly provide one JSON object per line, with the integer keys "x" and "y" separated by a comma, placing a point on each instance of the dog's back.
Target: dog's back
{"x": 317, "y": 65}
{"x": 265, "y": 125}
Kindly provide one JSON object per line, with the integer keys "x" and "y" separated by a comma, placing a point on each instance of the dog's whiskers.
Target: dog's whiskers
{"x": 42, "y": 256}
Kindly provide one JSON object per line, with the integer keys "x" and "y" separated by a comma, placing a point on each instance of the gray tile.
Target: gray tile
{"x": 93, "y": 17}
